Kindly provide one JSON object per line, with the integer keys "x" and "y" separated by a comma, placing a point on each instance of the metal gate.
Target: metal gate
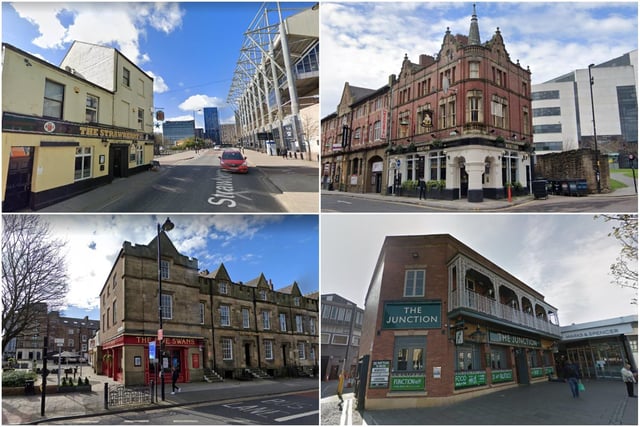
{"x": 119, "y": 395}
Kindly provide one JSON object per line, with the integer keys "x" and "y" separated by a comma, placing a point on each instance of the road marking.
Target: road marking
{"x": 293, "y": 417}
{"x": 343, "y": 201}
{"x": 349, "y": 413}
{"x": 136, "y": 421}
{"x": 185, "y": 421}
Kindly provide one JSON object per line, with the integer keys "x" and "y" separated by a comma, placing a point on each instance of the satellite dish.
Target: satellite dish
{"x": 445, "y": 84}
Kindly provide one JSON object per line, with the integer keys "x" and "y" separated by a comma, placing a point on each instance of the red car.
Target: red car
{"x": 233, "y": 161}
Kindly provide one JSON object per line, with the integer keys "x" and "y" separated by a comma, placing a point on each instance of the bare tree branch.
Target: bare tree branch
{"x": 33, "y": 272}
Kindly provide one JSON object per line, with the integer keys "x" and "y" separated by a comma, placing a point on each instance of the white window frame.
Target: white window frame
{"x": 167, "y": 306}
{"x": 227, "y": 349}
{"x": 268, "y": 350}
{"x": 222, "y": 288}
{"x": 301, "y": 351}
{"x": 164, "y": 269}
{"x": 225, "y": 315}
{"x": 83, "y": 153}
{"x": 53, "y": 98}
{"x": 266, "y": 320}
{"x": 299, "y": 324}
{"x": 283, "y": 322}
{"x": 246, "y": 319}
{"x": 413, "y": 292}
{"x": 91, "y": 108}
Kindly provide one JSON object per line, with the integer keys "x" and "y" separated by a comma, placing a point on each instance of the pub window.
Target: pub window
{"x": 164, "y": 269}
{"x": 377, "y": 130}
{"x": 474, "y": 106}
{"x": 499, "y": 359}
{"x": 140, "y": 119}
{"x": 474, "y": 70}
{"x": 468, "y": 358}
{"x": 167, "y": 306}
{"x": 53, "y": 99}
{"x": 139, "y": 154}
{"x": 227, "y": 349}
{"x": 91, "y": 109}
{"x": 414, "y": 283}
{"x": 83, "y": 163}
{"x": 408, "y": 354}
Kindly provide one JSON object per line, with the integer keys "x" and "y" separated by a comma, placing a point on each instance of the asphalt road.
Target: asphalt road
{"x": 193, "y": 185}
{"x": 299, "y": 408}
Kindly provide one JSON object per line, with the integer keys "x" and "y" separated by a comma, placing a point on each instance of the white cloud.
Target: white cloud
{"x": 115, "y": 24}
{"x": 196, "y": 102}
{"x": 364, "y": 43}
{"x": 159, "y": 85}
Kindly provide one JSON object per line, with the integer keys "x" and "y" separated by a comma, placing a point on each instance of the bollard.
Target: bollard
{"x": 106, "y": 396}
{"x": 151, "y": 388}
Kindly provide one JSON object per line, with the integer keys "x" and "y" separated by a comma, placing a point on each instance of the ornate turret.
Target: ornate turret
{"x": 474, "y": 31}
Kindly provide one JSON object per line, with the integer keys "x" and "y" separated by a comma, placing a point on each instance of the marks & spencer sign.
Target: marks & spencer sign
{"x": 412, "y": 315}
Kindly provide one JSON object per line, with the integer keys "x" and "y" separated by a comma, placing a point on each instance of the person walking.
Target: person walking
{"x": 572, "y": 375}
{"x": 423, "y": 189}
{"x": 628, "y": 378}
{"x": 174, "y": 377}
{"x": 339, "y": 390}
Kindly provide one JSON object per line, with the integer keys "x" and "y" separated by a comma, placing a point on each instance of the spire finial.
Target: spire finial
{"x": 474, "y": 30}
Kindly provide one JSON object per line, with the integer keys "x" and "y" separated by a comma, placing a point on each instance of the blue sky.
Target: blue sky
{"x": 282, "y": 247}
{"x": 364, "y": 43}
{"x": 191, "y": 49}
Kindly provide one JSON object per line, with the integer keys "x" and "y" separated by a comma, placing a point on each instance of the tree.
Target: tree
{"x": 625, "y": 269}
{"x": 34, "y": 273}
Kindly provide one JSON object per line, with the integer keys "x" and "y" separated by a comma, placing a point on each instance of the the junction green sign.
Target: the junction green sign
{"x": 412, "y": 315}
{"x": 407, "y": 383}
{"x": 470, "y": 379}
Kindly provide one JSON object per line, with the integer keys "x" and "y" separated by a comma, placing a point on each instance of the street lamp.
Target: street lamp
{"x": 167, "y": 226}
{"x": 595, "y": 138}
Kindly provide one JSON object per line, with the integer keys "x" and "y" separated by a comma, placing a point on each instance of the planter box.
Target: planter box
{"x": 74, "y": 389}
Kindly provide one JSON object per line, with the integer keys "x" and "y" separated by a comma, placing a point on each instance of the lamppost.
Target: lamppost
{"x": 595, "y": 138}
{"x": 167, "y": 226}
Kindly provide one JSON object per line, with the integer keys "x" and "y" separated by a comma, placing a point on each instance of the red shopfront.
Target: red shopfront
{"x": 126, "y": 359}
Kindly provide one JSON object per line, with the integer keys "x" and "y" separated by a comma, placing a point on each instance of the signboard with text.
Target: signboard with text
{"x": 412, "y": 315}
{"x": 380, "y": 374}
{"x": 408, "y": 383}
{"x": 502, "y": 338}
{"x": 470, "y": 379}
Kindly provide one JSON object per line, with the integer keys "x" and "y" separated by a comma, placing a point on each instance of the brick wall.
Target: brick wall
{"x": 575, "y": 164}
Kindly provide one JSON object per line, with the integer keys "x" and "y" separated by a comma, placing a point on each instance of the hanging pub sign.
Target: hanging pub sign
{"x": 412, "y": 315}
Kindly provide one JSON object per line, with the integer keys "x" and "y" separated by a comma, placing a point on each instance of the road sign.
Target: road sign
{"x": 159, "y": 334}
{"x": 152, "y": 350}
{"x": 59, "y": 342}
{"x": 398, "y": 163}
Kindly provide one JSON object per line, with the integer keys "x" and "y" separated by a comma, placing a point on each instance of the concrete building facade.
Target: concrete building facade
{"x": 69, "y": 129}
{"x": 340, "y": 336}
{"x": 562, "y": 109}
{"x": 460, "y": 121}
{"x": 443, "y": 323}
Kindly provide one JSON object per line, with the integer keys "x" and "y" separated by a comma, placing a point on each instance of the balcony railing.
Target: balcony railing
{"x": 482, "y": 304}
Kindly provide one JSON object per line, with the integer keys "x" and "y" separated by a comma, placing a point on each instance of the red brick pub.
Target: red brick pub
{"x": 443, "y": 323}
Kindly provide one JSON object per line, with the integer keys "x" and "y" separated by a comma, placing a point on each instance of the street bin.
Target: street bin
{"x": 581, "y": 186}
{"x": 539, "y": 188}
{"x": 29, "y": 387}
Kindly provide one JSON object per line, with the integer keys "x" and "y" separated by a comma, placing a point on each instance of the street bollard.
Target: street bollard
{"x": 106, "y": 396}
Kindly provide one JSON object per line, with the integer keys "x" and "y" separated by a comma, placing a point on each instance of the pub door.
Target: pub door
{"x": 18, "y": 190}
{"x": 522, "y": 368}
{"x": 247, "y": 354}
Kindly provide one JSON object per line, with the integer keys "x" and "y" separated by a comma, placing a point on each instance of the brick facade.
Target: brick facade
{"x": 469, "y": 328}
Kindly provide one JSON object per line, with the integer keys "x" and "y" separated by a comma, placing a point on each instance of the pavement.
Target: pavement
{"x": 486, "y": 204}
{"x": 547, "y": 403}
{"x": 277, "y": 170}
{"x": 68, "y": 406}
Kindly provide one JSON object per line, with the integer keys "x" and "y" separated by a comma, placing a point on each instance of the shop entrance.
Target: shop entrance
{"x": 18, "y": 191}
{"x": 118, "y": 160}
{"x": 522, "y": 369}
